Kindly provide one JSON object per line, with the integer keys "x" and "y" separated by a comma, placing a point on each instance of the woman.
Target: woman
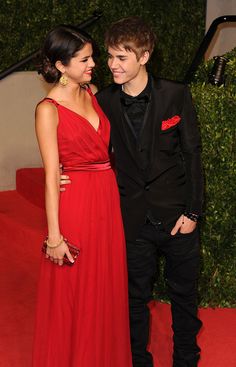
{"x": 82, "y": 311}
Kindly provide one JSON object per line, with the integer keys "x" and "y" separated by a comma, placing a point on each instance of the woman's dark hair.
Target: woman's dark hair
{"x": 61, "y": 44}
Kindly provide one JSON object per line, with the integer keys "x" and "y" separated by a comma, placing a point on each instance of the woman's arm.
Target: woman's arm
{"x": 46, "y": 130}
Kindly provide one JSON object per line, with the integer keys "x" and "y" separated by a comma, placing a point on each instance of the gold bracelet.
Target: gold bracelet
{"x": 55, "y": 246}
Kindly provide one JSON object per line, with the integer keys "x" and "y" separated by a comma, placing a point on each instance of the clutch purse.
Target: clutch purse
{"x": 73, "y": 250}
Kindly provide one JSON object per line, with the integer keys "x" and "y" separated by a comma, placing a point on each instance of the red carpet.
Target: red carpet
{"x": 30, "y": 184}
{"x": 217, "y": 338}
{"x": 22, "y": 227}
{"x": 21, "y": 232}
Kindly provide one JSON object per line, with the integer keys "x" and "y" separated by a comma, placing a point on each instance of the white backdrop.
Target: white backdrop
{"x": 19, "y": 94}
{"x": 225, "y": 38}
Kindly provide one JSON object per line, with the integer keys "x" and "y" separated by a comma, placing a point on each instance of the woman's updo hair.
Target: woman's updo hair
{"x": 61, "y": 44}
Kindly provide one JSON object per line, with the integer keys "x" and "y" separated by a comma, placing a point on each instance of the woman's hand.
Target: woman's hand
{"x": 183, "y": 225}
{"x": 56, "y": 254}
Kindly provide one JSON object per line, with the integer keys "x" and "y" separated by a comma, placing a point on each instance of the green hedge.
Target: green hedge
{"x": 216, "y": 108}
{"x": 179, "y": 25}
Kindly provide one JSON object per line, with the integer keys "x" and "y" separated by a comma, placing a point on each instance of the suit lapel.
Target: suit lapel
{"x": 150, "y": 133}
{"x": 151, "y": 129}
{"x": 118, "y": 119}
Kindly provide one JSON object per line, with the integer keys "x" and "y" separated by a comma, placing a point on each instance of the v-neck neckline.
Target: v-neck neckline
{"x": 84, "y": 118}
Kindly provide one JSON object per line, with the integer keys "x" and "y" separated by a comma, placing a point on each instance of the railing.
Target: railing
{"x": 205, "y": 44}
{"x": 96, "y": 15}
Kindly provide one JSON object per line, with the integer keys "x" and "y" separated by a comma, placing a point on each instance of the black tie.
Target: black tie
{"x": 129, "y": 100}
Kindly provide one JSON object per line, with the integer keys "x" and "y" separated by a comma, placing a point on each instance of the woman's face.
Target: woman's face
{"x": 79, "y": 69}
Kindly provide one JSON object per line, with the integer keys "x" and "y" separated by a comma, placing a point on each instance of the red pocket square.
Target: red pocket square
{"x": 170, "y": 122}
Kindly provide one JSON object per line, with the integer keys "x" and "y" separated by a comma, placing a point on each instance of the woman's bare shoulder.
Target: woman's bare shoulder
{"x": 46, "y": 114}
{"x": 45, "y": 107}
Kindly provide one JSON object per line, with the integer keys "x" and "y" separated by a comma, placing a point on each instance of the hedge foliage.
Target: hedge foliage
{"x": 179, "y": 25}
{"x": 216, "y": 108}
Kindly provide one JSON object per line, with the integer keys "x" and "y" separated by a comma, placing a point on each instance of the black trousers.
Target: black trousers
{"x": 181, "y": 272}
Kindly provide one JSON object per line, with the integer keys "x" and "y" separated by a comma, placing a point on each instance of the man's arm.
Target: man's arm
{"x": 191, "y": 150}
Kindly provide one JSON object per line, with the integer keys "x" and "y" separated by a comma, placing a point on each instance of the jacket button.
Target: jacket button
{"x": 147, "y": 187}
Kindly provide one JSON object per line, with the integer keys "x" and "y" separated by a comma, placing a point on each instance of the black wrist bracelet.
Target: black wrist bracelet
{"x": 192, "y": 216}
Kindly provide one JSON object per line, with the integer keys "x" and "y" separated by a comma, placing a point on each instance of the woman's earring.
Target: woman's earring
{"x": 63, "y": 80}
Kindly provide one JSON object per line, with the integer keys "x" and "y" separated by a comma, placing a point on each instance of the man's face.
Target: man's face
{"x": 124, "y": 64}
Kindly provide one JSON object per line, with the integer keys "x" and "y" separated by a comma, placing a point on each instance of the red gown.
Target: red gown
{"x": 82, "y": 311}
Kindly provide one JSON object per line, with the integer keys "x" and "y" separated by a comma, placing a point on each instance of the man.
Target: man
{"x": 156, "y": 144}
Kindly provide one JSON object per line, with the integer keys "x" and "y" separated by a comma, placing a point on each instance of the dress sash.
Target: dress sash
{"x": 95, "y": 166}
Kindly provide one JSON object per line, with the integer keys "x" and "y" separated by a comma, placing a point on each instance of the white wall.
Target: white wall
{"x": 19, "y": 94}
{"x": 225, "y": 37}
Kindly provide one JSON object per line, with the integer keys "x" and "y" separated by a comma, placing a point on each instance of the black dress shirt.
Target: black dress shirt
{"x": 135, "y": 108}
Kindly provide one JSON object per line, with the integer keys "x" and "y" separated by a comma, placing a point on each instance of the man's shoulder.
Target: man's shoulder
{"x": 108, "y": 97}
{"x": 168, "y": 84}
{"x": 108, "y": 91}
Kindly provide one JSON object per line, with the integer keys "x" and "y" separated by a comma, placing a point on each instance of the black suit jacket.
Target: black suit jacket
{"x": 162, "y": 172}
